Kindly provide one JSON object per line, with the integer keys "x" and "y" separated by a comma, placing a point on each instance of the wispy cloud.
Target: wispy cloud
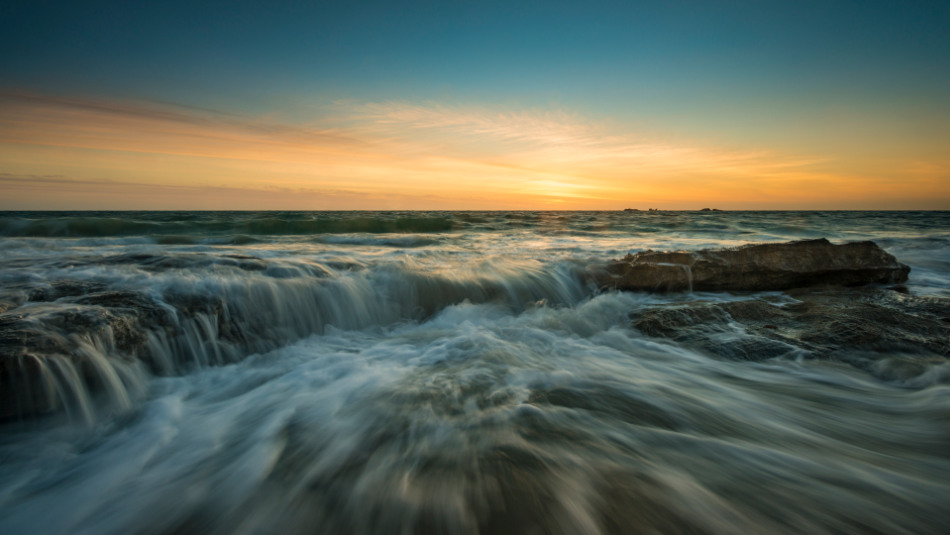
{"x": 558, "y": 138}
{"x": 550, "y": 128}
{"x": 60, "y": 192}
{"x": 399, "y": 155}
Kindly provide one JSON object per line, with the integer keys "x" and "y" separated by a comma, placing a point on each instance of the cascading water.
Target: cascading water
{"x": 460, "y": 373}
{"x": 187, "y": 322}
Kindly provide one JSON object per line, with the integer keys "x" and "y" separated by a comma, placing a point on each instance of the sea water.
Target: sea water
{"x": 445, "y": 372}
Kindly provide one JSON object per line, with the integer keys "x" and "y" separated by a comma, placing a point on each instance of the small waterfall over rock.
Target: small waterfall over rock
{"x": 103, "y": 345}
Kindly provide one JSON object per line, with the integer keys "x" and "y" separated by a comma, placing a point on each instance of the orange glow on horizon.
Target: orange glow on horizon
{"x": 71, "y": 153}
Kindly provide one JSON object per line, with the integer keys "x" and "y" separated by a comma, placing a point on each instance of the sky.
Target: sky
{"x": 474, "y": 105}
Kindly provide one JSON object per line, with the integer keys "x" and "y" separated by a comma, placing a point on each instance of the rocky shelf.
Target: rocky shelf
{"x": 65, "y": 343}
{"x": 763, "y": 267}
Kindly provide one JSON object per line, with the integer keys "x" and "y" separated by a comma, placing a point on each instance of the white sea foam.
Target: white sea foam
{"x": 420, "y": 423}
{"x": 470, "y": 380}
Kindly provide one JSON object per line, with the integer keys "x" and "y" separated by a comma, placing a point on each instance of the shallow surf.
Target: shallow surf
{"x": 460, "y": 373}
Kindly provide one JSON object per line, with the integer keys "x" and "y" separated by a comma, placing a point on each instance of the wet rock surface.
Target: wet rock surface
{"x": 78, "y": 336}
{"x": 893, "y": 335}
{"x": 67, "y": 343}
{"x": 67, "y": 340}
{"x": 70, "y": 337}
{"x": 764, "y": 267}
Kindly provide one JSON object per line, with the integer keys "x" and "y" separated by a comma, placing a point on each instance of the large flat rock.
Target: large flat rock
{"x": 773, "y": 266}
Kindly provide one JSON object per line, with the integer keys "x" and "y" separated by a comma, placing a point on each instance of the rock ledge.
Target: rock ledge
{"x": 763, "y": 267}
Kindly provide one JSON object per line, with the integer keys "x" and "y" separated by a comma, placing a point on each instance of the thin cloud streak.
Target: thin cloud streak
{"x": 556, "y": 139}
{"x": 61, "y": 193}
{"x": 403, "y": 155}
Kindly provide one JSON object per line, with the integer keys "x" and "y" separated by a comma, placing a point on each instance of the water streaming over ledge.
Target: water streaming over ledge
{"x": 446, "y": 372}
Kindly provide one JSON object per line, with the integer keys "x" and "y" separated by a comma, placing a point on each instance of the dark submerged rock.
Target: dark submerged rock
{"x": 778, "y": 266}
{"x": 60, "y": 289}
{"x": 713, "y": 330}
{"x": 14, "y": 295}
{"x": 61, "y": 339}
{"x": 894, "y": 336}
{"x": 37, "y": 339}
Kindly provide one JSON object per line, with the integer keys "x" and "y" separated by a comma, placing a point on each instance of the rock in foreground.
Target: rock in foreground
{"x": 774, "y": 266}
{"x": 894, "y": 336}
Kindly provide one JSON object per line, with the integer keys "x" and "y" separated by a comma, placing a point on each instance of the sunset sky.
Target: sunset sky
{"x": 474, "y": 105}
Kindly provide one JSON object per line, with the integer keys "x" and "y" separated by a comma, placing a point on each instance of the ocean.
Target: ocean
{"x": 461, "y": 372}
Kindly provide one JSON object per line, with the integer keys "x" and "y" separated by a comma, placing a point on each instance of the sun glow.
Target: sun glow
{"x": 395, "y": 155}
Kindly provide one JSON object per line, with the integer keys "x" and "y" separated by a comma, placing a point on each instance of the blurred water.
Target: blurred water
{"x": 453, "y": 373}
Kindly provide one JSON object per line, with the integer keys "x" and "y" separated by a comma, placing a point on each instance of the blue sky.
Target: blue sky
{"x": 814, "y": 80}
